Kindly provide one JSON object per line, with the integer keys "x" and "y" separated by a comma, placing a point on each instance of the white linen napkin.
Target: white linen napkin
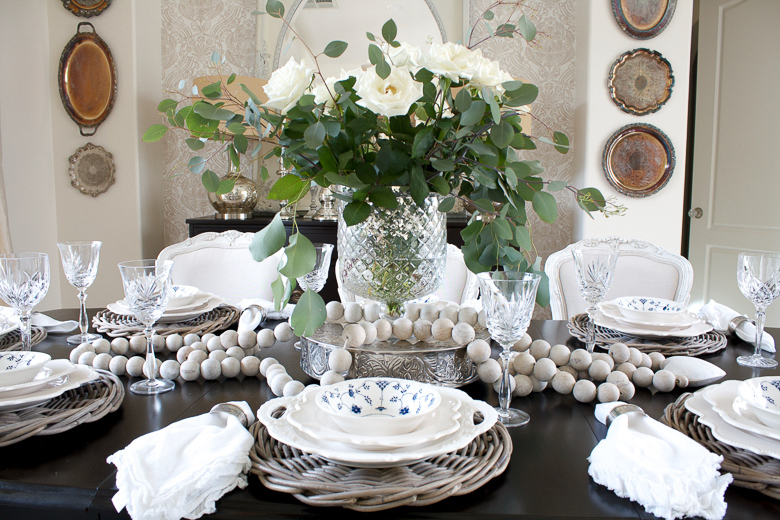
{"x": 183, "y": 469}
{"x": 52, "y": 325}
{"x": 268, "y": 306}
{"x": 719, "y": 316}
{"x": 666, "y": 472}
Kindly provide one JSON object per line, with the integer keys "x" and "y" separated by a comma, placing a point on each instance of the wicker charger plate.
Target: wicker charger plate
{"x": 749, "y": 469}
{"x": 13, "y": 339}
{"x": 220, "y": 318}
{"x": 706, "y": 343}
{"x": 87, "y": 403}
{"x": 316, "y": 481}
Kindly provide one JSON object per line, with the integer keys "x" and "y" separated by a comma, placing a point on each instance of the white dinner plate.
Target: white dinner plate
{"x": 54, "y": 373}
{"x": 696, "y": 329}
{"x": 683, "y": 320}
{"x": 308, "y": 419}
{"x": 82, "y": 374}
{"x": 281, "y": 430}
{"x": 734, "y": 410}
{"x": 727, "y": 433}
{"x": 172, "y": 316}
{"x": 198, "y": 301}
{"x": 9, "y": 320}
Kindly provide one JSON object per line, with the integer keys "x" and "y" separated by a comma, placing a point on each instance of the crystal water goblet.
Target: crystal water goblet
{"x": 315, "y": 280}
{"x": 508, "y": 301}
{"x": 147, "y": 285}
{"x": 758, "y": 277}
{"x": 24, "y": 281}
{"x": 594, "y": 268}
{"x": 80, "y": 262}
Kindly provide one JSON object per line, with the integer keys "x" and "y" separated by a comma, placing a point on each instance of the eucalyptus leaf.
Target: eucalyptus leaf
{"x": 289, "y": 187}
{"x": 314, "y": 135}
{"x": 375, "y": 54}
{"x": 523, "y": 238}
{"x": 225, "y": 186}
{"x": 389, "y": 31}
{"x": 268, "y": 240}
{"x": 197, "y": 164}
{"x": 212, "y": 91}
{"x": 210, "y": 111}
{"x": 275, "y": 8}
{"x": 474, "y": 114}
{"x": 356, "y": 212}
{"x": 561, "y": 142}
{"x": 527, "y": 28}
{"x": 210, "y": 181}
{"x": 383, "y": 69}
{"x": 383, "y": 197}
{"x": 282, "y": 290}
{"x": 463, "y": 100}
{"x": 423, "y": 140}
{"x": 309, "y": 314}
{"x": 167, "y": 105}
{"x": 556, "y": 185}
{"x": 300, "y": 257}
{"x": 418, "y": 186}
{"x": 194, "y": 144}
{"x": 241, "y": 143}
{"x": 335, "y": 49}
{"x": 447, "y": 204}
{"x": 154, "y": 133}
{"x": 502, "y": 134}
{"x": 545, "y": 206}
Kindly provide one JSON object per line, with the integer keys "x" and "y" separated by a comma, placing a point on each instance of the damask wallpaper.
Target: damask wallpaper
{"x": 193, "y": 29}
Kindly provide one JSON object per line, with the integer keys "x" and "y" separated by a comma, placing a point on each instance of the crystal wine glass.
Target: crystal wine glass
{"x": 24, "y": 281}
{"x": 595, "y": 267}
{"x": 758, "y": 277}
{"x": 80, "y": 263}
{"x": 147, "y": 285}
{"x": 508, "y": 301}
{"x": 315, "y": 280}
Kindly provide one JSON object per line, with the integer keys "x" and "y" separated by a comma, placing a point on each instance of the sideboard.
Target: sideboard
{"x": 315, "y": 230}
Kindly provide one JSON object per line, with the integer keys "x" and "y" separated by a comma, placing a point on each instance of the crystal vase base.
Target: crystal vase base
{"x": 758, "y": 361}
{"x": 512, "y": 418}
{"x": 152, "y": 386}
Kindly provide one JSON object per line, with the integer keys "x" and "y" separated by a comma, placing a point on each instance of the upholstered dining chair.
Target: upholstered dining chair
{"x": 460, "y": 285}
{"x": 643, "y": 269}
{"x": 220, "y": 263}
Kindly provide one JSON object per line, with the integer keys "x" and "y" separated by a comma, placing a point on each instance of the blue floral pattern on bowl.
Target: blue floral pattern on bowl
{"x": 763, "y": 396}
{"x": 20, "y": 366}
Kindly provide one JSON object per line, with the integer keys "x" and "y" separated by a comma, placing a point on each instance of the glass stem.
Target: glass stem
{"x": 83, "y": 320}
{"x": 150, "y": 364}
{"x": 26, "y": 329}
{"x": 590, "y": 336}
{"x": 505, "y": 388}
{"x": 760, "y": 318}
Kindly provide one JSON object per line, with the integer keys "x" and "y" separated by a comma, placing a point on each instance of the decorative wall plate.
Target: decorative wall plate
{"x": 638, "y": 160}
{"x": 91, "y": 170}
{"x": 640, "y": 81}
{"x": 87, "y": 79}
{"x": 86, "y": 8}
{"x": 643, "y": 19}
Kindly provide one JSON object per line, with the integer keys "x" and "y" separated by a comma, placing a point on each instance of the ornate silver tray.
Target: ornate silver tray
{"x": 442, "y": 363}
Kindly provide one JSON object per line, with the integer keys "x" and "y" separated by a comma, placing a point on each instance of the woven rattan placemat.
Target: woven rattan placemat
{"x": 13, "y": 340}
{"x": 87, "y": 403}
{"x": 706, "y": 343}
{"x": 317, "y": 481}
{"x": 114, "y": 325}
{"x": 749, "y": 469}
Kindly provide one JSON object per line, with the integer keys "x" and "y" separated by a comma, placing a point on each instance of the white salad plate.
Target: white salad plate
{"x": 727, "y": 433}
{"x": 9, "y": 320}
{"x": 174, "y": 315}
{"x": 734, "y": 410}
{"x": 54, "y": 373}
{"x": 700, "y": 327}
{"x": 308, "y": 419}
{"x": 284, "y": 432}
{"x": 675, "y": 322}
{"x": 80, "y": 375}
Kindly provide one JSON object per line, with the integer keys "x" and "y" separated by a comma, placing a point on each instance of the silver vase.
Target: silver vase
{"x": 238, "y": 203}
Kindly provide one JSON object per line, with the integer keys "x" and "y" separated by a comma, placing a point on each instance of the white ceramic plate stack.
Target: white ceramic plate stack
{"x": 733, "y": 419}
{"x": 53, "y": 379}
{"x": 307, "y": 427}
{"x": 649, "y": 317}
{"x": 9, "y": 320}
{"x": 186, "y": 303}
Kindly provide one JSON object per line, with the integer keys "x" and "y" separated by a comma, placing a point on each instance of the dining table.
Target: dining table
{"x": 66, "y": 475}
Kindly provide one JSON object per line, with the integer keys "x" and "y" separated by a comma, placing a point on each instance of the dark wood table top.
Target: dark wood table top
{"x": 66, "y": 475}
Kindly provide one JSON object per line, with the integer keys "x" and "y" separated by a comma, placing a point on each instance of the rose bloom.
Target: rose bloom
{"x": 489, "y": 74}
{"x": 324, "y": 94}
{"x": 451, "y": 60}
{"x": 287, "y": 85}
{"x": 388, "y": 97}
{"x": 407, "y": 56}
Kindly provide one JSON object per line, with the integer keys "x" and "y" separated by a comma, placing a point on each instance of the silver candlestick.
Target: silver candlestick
{"x": 327, "y": 209}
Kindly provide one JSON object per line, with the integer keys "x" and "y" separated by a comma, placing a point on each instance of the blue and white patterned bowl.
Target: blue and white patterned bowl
{"x": 762, "y": 394}
{"x": 378, "y": 405}
{"x": 17, "y": 367}
{"x": 649, "y": 309}
{"x": 182, "y": 295}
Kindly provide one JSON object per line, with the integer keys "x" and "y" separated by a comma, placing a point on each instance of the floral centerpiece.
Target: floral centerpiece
{"x": 441, "y": 121}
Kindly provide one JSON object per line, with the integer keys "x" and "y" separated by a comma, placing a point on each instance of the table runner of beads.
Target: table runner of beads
{"x": 115, "y": 325}
{"x": 87, "y": 403}
{"x": 13, "y": 339}
{"x": 706, "y": 343}
{"x": 319, "y": 482}
{"x": 749, "y": 469}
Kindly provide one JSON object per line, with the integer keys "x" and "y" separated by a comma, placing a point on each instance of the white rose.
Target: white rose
{"x": 325, "y": 94}
{"x": 287, "y": 85}
{"x": 388, "y": 97}
{"x": 451, "y": 60}
{"x": 489, "y": 74}
{"x": 407, "y": 56}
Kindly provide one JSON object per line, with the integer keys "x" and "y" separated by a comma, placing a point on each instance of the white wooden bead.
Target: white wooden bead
{"x": 267, "y": 362}
{"x": 606, "y": 358}
{"x": 210, "y": 369}
{"x": 540, "y": 349}
{"x": 218, "y": 355}
{"x": 78, "y": 351}
{"x": 198, "y": 356}
{"x": 174, "y": 342}
{"x": 523, "y": 385}
{"x": 580, "y": 359}
{"x": 563, "y": 382}
{"x": 247, "y": 339}
{"x": 403, "y": 328}
{"x": 560, "y": 354}
{"x": 231, "y": 367}
{"x": 463, "y": 333}
{"x": 608, "y": 393}
{"x": 229, "y": 338}
{"x": 354, "y": 335}
{"x": 370, "y": 330}
{"x": 511, "y": 367}
{"x": 117, "y": 365}
{"x": 135, "y": 366}
{"x": 138, "y": 344}
{"x": 489, "y": 371}
{"x": 158, "y": 343}
{"x": 544, "y": 369}
{"x": 481, "y": 319}
{"x": 120, "y": 346}
{"x": 523, "y": 344}
{"x": 101, "y": 361}
{"x": 331, "y": 377}
{"x": 468, "y": 315}
{"x": 619, "y": 352}
{"x": 207, "y": 337}
{"x": 191, "y": 338}
{"x": 626, "y": 368}
{"x": 339, "y": 360}
{"x": 450, "y": 313}
{"x": 617, "y": 378}
{"x": 442, "y": 329}
{"x": 101, "y": 346}
{"x": 334, "y": 311}
{"x": 599, "y": 370}
{"x": 383, "y": 329}
{"x": 189, "y": 370}
{"x": 429, "y": 312}
{"x": 664, "y": 380}
{"x": 283, "y": 332}
{"x": 292, "y": 388}
{"x": 571, "y": 370}
{"x": 278, "y": 381}
{"x": 656, "y": 358}
{"x": 682, "y": 381}
{"x": 422, "y": 330}
{"x": 635, "y": 356}
{"x": 170, "y": 369}
{"x": 353, "y": 312}
{"x": 478, "y": 351}
{"x": 86, "y": 358}
{"x": 371, "y": 312}
{"x": 199, "y": 345}
{"x": 182, "y": 353}
{"x": 157, "y": 365}
{"x": 642, "y": 377}
{"x": 627, "y": 390}
{"x": 539, "y": 386}
{"x": 412, "y": 312}
{"x": 273, "y": 370}
{"x": 584, "y": 391}
{"x": 512, "y": 385}
{"x": 215, "y": 343}
{"x": 524, "y": 363}
{"x": 250, "y": 366}
{"x": 236, "y": 352}
{"x": 646, "y": 361}
{"x": 266, "y": 338}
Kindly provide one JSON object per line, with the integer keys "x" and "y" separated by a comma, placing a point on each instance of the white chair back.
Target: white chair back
{"x": 642, "y": 270}
{"x": 220, "y": 263}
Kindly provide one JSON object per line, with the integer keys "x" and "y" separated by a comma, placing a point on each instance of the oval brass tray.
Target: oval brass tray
{"x": 643, "y": 19}
{"x": 638, "y": 160}
{"x": 87, "y": 79}
{"x": 86, "y": 8}
{"x": 640, "y": 81}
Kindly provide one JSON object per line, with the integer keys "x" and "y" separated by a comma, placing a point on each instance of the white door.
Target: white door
{"x": 736, "y": 144}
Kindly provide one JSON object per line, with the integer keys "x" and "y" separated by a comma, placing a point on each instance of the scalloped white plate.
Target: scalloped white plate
{"x": 9, "y": 320}
{"x": 682, "y": 321}
{"x": 696, "y": 329}
{"x": 53, "y": 374}
{"x": 82, "y": 374}
{"x": 173, "y": 315}
{"x": 735, "y": 411}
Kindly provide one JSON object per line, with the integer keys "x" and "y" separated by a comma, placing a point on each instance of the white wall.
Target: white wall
{"x": 38, "y": 137}
{"x": 600, "y": 41}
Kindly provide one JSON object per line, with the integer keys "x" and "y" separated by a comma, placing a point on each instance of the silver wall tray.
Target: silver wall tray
{"x": 640, "y": 81}
{"x": 643, "y": 19}
{"x": 92, "y": 170}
